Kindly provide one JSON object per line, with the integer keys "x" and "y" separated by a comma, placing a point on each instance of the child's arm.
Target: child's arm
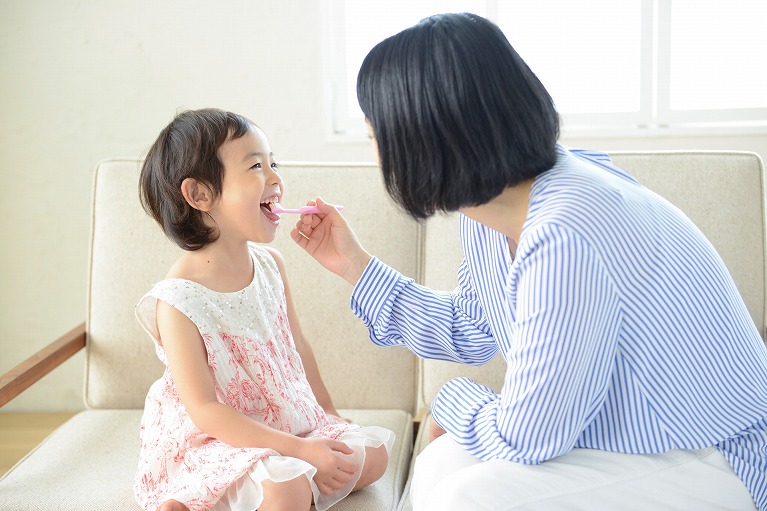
{"x": 302, "y": 345}
{"x": 188, "y": 363}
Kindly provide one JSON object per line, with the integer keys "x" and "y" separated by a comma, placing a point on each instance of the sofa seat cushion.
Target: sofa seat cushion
{"x": 89, "y": 462}
{"x": 420, "y": 443}
{"x": 386, "y": 492}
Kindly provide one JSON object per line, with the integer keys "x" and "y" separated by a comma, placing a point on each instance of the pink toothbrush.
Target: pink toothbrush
{"x": 277, "y": 209}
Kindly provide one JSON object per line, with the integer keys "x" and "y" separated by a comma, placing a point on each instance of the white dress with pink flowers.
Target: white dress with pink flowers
{"x": 257, "y": 370}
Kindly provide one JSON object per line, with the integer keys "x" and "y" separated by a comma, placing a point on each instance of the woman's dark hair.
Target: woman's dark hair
{"x": 187, "y": 148}
{"x": 457, "y": 114}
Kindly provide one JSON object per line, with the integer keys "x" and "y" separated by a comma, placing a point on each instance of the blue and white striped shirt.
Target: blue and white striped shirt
{"x": 620, "y": 325}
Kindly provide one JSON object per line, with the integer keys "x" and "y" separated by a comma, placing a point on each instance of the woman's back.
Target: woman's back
{"x": 688, "y": 365}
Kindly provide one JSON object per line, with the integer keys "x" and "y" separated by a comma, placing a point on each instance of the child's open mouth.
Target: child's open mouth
{"x": 266, "y": 209}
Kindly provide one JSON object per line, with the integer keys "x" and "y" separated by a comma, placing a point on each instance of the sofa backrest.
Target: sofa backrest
{"x": 722, "y": 193}
{"x": 129, "y": 253}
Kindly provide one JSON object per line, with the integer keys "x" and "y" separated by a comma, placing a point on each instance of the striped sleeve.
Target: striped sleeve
{"x": 433, "y": 324}
{"x": 564, "y": 340}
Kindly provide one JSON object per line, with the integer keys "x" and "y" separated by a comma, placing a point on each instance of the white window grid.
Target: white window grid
{"x": 654, "y": 115}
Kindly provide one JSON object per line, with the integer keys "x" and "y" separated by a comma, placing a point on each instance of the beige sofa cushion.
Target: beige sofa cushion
{"x": 130, "y": 253}
{"x": 89, "y": 463}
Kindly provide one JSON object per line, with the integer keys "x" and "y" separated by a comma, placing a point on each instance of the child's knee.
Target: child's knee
{"x": 293, "y": 494}
{"x": 376, "y": 462}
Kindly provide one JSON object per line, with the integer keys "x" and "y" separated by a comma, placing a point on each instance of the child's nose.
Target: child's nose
{"x": 275, "y": 176}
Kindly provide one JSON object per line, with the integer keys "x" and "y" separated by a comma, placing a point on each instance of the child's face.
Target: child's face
{"x": 250, "y": 180}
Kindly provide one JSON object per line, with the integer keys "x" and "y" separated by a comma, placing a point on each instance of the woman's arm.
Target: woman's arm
{"x": 560, "y": 361}
{"x": 302, "y": 344}
{"x": 397, "y": 311}
{"x": 187, "y": 360}
{"x": 433, "y": 324}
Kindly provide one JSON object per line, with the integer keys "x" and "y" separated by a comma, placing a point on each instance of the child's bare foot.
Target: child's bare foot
{"x": 173, "y": 505}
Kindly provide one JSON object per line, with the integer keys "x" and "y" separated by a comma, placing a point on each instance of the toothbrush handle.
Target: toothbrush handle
{"x": 312, "y": 209}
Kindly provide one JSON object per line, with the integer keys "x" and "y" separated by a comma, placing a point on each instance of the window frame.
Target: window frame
{"x": 668, "y": 117}
{"x": 655, "y": 117}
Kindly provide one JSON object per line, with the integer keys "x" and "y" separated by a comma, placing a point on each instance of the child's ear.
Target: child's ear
{"x": 197, "y": 195}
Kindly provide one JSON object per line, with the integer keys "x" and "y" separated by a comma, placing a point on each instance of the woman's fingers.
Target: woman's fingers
{"x": 298, "y": 237}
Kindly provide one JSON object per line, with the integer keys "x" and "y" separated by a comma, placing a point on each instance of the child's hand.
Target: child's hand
{"x": 333, "y": 414}
{"x": 334, "y": 470}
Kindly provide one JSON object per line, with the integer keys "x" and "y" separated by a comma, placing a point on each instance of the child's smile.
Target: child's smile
{"x": 266, "y": 208}
{"x": 250, "y": 186}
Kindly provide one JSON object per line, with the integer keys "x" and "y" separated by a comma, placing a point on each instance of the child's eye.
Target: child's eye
{"x": 275, "y": 165}
{"x": 256, "y": 166}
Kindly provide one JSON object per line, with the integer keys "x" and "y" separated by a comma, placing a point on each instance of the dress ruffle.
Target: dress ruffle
{"x": 246, "y": 494}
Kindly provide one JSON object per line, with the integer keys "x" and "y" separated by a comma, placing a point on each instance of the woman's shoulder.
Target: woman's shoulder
{"x": 578, "y": 192}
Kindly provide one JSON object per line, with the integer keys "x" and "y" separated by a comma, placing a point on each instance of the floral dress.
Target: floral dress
{"x": 256, "y": 370}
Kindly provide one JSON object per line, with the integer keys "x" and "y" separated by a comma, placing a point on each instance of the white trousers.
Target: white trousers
{"x": 448, "y": 478}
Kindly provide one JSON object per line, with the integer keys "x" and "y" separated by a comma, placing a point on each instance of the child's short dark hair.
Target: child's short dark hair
{"x": 457, "y": 114}
{"x": 187, "y": 148}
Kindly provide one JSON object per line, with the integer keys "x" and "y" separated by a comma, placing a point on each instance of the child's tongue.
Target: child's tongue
{"x": 266, "y": 209}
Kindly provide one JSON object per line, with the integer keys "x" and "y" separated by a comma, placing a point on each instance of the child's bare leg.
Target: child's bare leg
{"x": 293, "y": 495}
{"x": 376, "y": 461}
{"x": 173, "y": 505}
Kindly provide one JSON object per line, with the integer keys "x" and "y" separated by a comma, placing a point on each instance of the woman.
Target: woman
{"x": 635, "y": 377}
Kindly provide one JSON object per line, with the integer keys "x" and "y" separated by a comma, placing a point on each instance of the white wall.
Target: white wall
{"x": 81, "y": 81}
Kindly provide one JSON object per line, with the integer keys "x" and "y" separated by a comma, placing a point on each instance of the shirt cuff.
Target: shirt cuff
{"x": 466, "y": 410}
{"x": 374, "y": 290}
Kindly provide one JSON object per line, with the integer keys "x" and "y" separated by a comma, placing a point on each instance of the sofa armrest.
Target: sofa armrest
{"x": 21, "y": 377}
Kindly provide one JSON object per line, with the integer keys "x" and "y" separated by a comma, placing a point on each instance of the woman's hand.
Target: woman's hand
{"x": 328, "y": 238}
{"x": 435, "y": 431}
{"x": 334, "y": 470}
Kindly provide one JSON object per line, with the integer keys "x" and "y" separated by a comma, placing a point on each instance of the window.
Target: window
{"x": 714, "y": 66}
{"x": 636, "y": 64}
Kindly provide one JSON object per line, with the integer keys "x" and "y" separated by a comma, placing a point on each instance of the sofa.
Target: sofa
{"x": 88, "y": 462}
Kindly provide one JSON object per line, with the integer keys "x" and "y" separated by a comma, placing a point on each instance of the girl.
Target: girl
{"x": 241, "y": 418}
{"x": 635, "y": 378}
